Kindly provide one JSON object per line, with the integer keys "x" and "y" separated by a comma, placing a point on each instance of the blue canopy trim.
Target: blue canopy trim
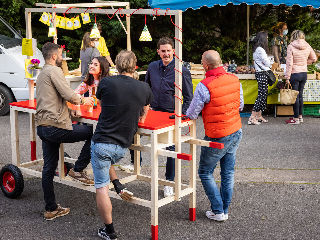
{"x": 195, "y": 4}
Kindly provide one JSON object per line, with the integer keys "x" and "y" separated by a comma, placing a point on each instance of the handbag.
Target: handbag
{"x": 287, "y": 95}
{"x": 271, "y": 77}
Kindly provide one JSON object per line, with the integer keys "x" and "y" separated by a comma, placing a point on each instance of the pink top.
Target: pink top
{"x": 299, "y": 54}
{"x": 83, "y": 88}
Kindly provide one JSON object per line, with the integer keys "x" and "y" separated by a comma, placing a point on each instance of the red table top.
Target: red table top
{"x": 155, "y": 119}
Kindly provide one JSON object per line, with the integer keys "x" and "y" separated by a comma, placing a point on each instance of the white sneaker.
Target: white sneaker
{"x": 127, "y": 168}
{"x": 226, "y": 216}
{"x": 167, "y": 191}
{"x": 217, "y": 217}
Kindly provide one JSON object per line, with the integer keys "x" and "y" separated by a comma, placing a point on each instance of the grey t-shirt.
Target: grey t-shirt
{"x": 86, "y": 56}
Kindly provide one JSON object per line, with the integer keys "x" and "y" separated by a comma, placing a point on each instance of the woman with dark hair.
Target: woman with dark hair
{"x": 88, "y": 52}
{"x": 279, "y": 43}
{"x": 98, "y": 69}
{"x": 261, "y": 65}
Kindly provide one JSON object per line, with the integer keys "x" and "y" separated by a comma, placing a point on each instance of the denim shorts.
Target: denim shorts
{"x": 103, "y": 155}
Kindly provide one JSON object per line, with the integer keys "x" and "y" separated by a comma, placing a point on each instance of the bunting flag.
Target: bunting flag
{"x": 62, "y": 23}
{"x": 45, "y": 17}
{"x": 69, "y": 23}
{"x": 85, "y": 18}
{"x": 76, "y": 23}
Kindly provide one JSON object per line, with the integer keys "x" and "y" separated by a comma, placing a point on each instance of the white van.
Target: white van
{"x": 13, "y": 85}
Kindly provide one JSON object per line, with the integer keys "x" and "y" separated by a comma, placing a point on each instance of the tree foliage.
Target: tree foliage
{"x": 222, "y": 28}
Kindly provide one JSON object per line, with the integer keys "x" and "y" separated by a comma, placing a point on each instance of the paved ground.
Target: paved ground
{"x": 277, "y": 193}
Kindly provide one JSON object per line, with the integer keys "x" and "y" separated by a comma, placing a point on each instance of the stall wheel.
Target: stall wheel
{"x": 11, "y": 181}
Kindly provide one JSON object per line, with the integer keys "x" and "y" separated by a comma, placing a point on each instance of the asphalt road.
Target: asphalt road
{"x": 276, "y": 193}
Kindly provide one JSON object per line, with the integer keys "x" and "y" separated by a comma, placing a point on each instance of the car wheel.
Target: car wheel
{"x": 6, "y": 98}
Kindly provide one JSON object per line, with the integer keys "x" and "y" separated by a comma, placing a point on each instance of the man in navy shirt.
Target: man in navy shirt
{"x": 161, "y": 77}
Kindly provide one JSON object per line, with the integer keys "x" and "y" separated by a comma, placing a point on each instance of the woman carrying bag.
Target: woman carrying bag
{"x": 299, "y": 55}
{"x": 261, "y": 65}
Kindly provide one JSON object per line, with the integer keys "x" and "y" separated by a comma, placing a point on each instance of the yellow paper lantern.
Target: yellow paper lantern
{"x": 52, "y": 31}
{"x": 95, "y": 32}
{"x": 145, "y": 35}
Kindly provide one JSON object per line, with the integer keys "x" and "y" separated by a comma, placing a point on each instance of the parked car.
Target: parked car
{"x": 13, "y": 85}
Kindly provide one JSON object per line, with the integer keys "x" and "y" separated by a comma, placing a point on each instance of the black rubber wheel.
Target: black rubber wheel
{"x": 6, "y": 98}
{"x": 11, "y": 180}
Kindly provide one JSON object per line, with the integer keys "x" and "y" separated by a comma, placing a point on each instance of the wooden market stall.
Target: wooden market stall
{"x": 162, "y": 130}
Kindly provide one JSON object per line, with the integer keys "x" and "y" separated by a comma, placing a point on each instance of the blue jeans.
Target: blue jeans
{"x": 297, "y": 81}
{"x": 51, "y": 138}
{"x": 103, "y": 155}
{"x": 219, "y": 199}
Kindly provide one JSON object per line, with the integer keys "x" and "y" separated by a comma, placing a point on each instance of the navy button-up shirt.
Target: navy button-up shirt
{"x": 161, "y": 81}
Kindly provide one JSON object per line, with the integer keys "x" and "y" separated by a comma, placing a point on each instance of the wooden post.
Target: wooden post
{"x": 33, "y": 144}
{"x": 55, "y": 38}
{"x": 14, "y": 137}
{"x": 193, "y": 167}
{"x": 154, "y": 187}
{"x": 137, "y": 154}
{"x": 128, "y": 29}
{"x": 248, "y": 32}
{"x": 61, "y": 162}
{"x": 178, "y": 94}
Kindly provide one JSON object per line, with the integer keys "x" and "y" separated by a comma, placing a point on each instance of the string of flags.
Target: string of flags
{"x": 74, "y": 23}
{"x": 64, "y": 22}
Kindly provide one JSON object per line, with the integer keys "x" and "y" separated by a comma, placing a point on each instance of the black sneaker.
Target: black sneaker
{"x": 104, "y": 235}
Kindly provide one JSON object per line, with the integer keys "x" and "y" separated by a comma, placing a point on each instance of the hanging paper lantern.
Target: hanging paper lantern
{"x": 95, "y": 32}
{"x": 85, "y": 18}
{"x": 145, "y": 35}
{"x": 52, "y": 31}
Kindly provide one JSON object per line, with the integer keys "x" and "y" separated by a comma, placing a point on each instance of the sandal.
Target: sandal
{"x": 261, "y": 119}
{"x": 253, "y": 121}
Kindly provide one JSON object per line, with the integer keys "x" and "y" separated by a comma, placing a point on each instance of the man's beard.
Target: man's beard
{"x": 59, "y": 64}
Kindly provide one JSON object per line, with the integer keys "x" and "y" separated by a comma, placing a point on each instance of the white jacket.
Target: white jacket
{"x": 261, "y": 58}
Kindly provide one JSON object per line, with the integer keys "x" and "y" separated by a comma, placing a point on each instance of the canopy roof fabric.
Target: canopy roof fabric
{"x": 195, "y": 4}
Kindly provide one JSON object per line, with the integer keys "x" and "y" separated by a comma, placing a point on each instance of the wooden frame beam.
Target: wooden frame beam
{"x": 106, "y": 11}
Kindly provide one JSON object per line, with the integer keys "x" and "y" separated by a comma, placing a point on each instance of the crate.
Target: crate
{"x": 311, "y": 110}
{"x": 284, "y": 110}
{"x": 245, "y": 114}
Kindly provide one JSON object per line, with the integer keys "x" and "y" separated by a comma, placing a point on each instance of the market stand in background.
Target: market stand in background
{"x": 247, "y": 78}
